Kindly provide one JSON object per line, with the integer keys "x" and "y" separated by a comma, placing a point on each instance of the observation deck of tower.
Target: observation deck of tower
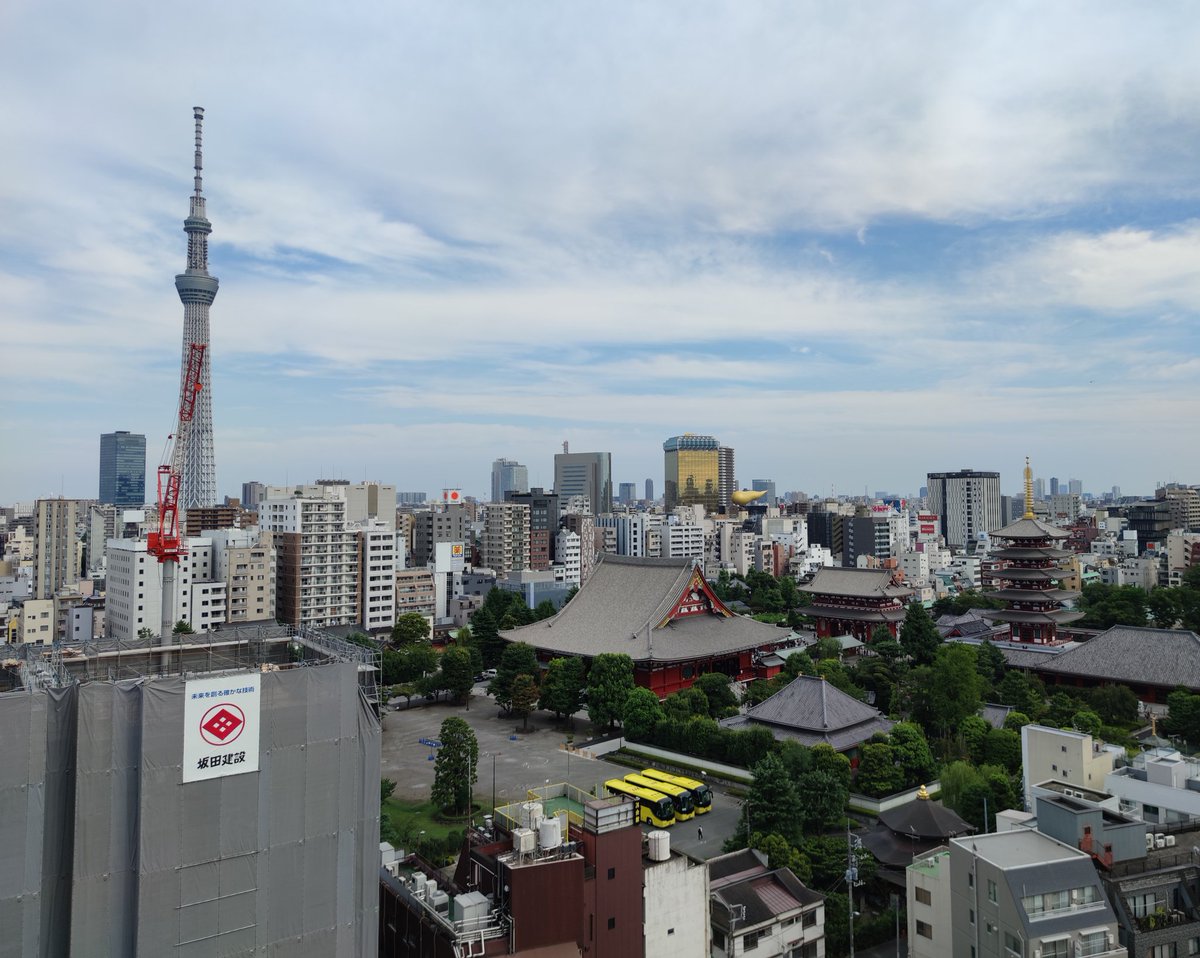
{"x": 197, "y": 290}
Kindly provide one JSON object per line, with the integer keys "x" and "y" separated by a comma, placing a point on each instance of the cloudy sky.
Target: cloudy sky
{"x": 855, "y": 242}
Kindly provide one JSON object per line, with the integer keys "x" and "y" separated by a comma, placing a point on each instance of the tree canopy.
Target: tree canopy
{"x": 410, "y": 627}
{"x": 562, "y": 686}
{"x": 609, "y": 683}
{"x": 519, "y": 658}
{"x": 919, "y": 636}
{"x": 455, "y": 770}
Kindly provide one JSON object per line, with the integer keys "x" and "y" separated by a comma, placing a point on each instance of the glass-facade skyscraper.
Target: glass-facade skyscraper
{"x": 692, "y": 472}
{"x": 123, "y": 469}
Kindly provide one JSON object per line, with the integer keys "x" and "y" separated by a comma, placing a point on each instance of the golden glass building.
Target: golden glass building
{"x": 692, "y": 468}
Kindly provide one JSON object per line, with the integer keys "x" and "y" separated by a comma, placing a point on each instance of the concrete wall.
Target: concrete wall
{"x": 676, "y": 893}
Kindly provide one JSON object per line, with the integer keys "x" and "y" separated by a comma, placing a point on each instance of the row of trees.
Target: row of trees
{"x": 1104, "y": 606}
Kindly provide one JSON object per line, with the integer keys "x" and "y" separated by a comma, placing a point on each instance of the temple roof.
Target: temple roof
{"x": 1141, "y": 656}
{"x": 1031, "y": 552}
{"x": 624, "y": 607}
{"x": 1029, "y": 529}
{"x": 810, "y": 710}
{"x": 857, "y": 583}
{"x": 1059, "y": 616}
{"x": 1033, "y": 595}
{"x": 925, "y": 818}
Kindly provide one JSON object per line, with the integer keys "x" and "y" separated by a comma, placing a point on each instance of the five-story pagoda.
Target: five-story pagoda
{"x": 1030, "y": 575}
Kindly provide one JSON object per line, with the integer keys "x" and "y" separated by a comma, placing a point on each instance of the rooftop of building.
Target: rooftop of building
{"x": 1018, "y": 849}
{"x": 265, "y": 646}
{"x": 760, "y": 898}
{"x": 855, "y": 583}
{"x": 1131, "y": 654}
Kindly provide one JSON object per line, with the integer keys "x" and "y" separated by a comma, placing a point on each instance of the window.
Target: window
{"x": 991, "y": 891}
{"x": 970, "y": 879}
{"x": 1012, "y": 943}
{"x": 1164, "y": 951}
{"x": 810, "y": 919}
{"x": 924, "y": 897}
{"x": 1056, "y": 949}
{"x": 750, "y": 941}
{"x": 612, "y": 873}
{"x": 670, "y": 931}
{"x": 612, "y": 923}
{"x": 925, "y": 930}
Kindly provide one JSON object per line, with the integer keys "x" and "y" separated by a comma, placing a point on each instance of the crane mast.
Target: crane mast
{"x": 167, "y": 543}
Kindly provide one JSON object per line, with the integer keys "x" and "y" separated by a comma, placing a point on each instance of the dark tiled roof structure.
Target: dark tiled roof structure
{"x": 1125, "y": 653}
{"x": 764, "y": 898}
{"x": 860, "y": 583}
{"x": 811, "y": 711}
{"x": 623, "y": 607}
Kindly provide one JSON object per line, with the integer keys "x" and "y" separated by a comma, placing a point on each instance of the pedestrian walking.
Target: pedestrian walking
{"x": 700, "y": 832}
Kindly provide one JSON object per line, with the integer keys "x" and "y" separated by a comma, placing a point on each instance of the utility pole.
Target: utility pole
{"x": 851, "y": 878}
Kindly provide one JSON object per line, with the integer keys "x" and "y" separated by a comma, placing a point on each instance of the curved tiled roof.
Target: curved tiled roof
{"x": 1030, "y": 529}
{"x": 620, "y": 607}
{"x": 810, "y": 710}
{"x": 1126, "y": 653}
{"x": 834, "y": 580}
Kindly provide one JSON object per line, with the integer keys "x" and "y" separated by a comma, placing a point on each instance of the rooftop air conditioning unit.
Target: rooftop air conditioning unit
{"x": 1170, "y": 841}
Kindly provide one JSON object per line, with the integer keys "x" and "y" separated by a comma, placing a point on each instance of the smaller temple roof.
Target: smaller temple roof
{"x": 1026, "y": 528}
{"x": 856, "y": 583}
{"x": 903, "y": 833}
{"x": 810, "y": 710}
{"x": 1126, "y": 653}
{"x": 1058, "y": 616}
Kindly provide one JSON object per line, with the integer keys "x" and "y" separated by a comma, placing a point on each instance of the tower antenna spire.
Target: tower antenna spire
{"x": 198, "y": 113}
{"x": 1028, "y": 490}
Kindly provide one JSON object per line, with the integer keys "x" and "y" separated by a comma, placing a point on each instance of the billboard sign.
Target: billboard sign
{"x": 452, "y": 496}
{"x": 221, "y": 725}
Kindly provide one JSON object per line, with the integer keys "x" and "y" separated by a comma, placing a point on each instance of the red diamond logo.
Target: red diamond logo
{"x": 222, "y": 724}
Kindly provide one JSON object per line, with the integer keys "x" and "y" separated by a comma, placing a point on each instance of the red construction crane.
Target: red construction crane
{"x": 167, "y": 544}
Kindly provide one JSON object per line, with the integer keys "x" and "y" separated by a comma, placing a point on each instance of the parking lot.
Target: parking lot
{"x": 512, "y": 761}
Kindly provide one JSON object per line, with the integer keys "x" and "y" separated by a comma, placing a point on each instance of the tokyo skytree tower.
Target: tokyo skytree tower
{"x": 197, "y": 289}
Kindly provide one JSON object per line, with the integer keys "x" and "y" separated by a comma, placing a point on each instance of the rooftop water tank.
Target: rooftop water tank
{"x": 549, "y": 833}
{"x": 524, "y": 841}
{"x": 660, "y": 846}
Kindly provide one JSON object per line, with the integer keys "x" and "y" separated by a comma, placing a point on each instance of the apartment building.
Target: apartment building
{"x": 1015, "y": 894}
{"x": 1066, "y": 757}
{"x": 377, "y": 585}
{"x": 506, "y": 537}
{"x": 317, "y": 559}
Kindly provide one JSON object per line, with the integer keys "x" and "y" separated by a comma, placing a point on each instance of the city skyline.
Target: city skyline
{"x": 976, "y": 244}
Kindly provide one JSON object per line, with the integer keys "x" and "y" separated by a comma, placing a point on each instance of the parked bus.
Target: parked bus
{"x": 680, "y": 797}
{"x": 653, "y": 806}
{"x": 701, "y": 793}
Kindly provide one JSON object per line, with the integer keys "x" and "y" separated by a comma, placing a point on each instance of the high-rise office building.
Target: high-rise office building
{"x": 649, "y": 490}
{"x": 1075, "y": 487}
{"x": 543, "y": 525}
{"x": 506, "y": 537}
{"x": 197, "y": 290}
{"x": 508, "y": 476}
{"x": 123, "y": 469}
{"x": 767, "y": 486}
{"x": 252, "y": 494}
{"x": 692, "y": 472}
{"x": 1054, "y": 485}
{"x": 726, "y": 477}
{"x": 627, "y": 492}
{"x": 968, "y": 503}
{"x": 585, "y": 474}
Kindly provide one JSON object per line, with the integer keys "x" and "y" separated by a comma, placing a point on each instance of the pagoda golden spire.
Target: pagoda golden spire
{"x": 1028, "y": 490}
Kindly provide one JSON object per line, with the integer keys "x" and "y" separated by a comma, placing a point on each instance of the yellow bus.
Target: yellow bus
{"x": 653, "y": 806}
{"x": 701, "y": 793}
{"x": 680, "y": 797}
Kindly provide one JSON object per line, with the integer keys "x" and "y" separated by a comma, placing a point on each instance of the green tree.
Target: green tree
{"x": 485, "y": 629}
{"x": 827, "y": 648}
{"x": 682, "y": 705}
{"x": 609, "y": 683}
{"x": 973, "y": 731}
{"x": 1003, "y": 747}
{"x": 642, "y": 714}
{"x": 1017, "y": 690}
{"x": 1115, "y": 704}
{"x": 782, "y": 854}
{"x": 954, "y": 780}
{"x": 562, "y": 686}
{"x": 1015, "y": 721}
{"x": 410, "y": 627}
{"x": 183, "y": 627}
{"x": 919, "y": 637}
{"x": 1062, "y": 707}
{"x": 454, "y": 772}
{"x": 772, "y": 805}
{"x": 719, "y": 693}
{"x": 1086, "y": 721}
{"x": 545, "y": 609}
{"x": 1104, "y": 606}
{"x": 1165, "y": 607}
{"x": 796, "y": 758}
{"x": 990, "y": 663}
{"x": 145, "y": 633}
{"x": 456, "y": 676}
{"x": 887, "y": 648}
{"x": 1183, "y": 715}
{"x": 798, "y": 663}
{"x": 524, "y": 698}
{"x": 825, "y": 759}
{"x": 957, "y": 687}
{"x": 913, "y": 755}
{"x": 964, "y": 602}
{"x": 877, "y": 772}
{"x": 822, "y": 795}
{"x": 519, "y": 658}
{"x": 386, "y": 787}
